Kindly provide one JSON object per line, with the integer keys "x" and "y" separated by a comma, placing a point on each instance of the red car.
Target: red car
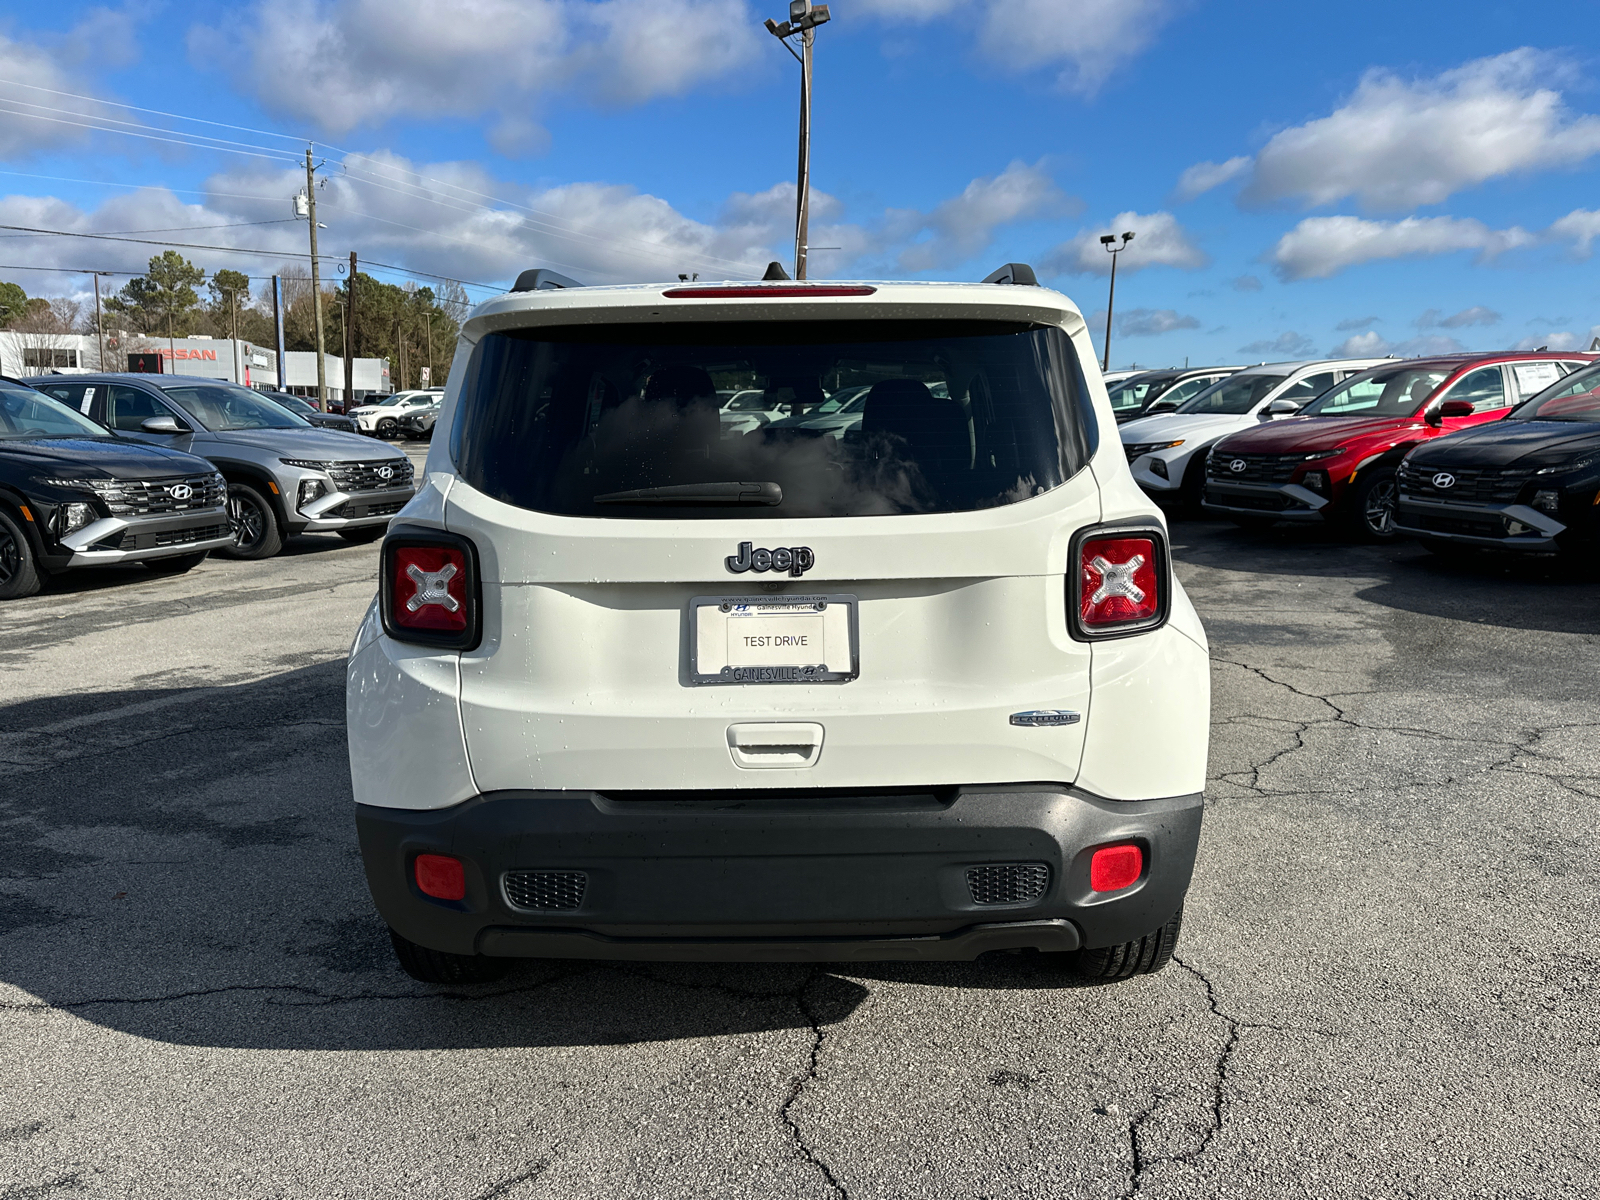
{"x": 1337, "y": 459}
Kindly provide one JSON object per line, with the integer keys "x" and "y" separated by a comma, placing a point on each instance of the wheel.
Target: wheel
{"x": 1143, "y": 956}
{"x": 386, "y": 427}
{"x": 19, "y": 574}
{"x": 440, "y": 966}
{"x": 255, "y": 525}
{"x": 360, "y": 537}
{"x": 1369, "y": 514}
{"x": 176, "y": 565}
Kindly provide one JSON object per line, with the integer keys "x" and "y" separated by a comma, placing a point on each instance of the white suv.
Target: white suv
{"x": 1167, "y": 451}
{"x": 384, "y": 417}
{"x": 637, "y": 686}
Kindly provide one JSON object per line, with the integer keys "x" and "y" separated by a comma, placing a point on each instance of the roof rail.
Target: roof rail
{"x": 533, "y": 281}
{"x": 1020, "y": 273}
{"x": 775, "y": 271}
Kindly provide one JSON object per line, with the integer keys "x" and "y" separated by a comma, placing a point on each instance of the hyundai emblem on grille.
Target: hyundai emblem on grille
{"x": 1238, "y": 464}
{"x": 385, "y": 472}
{"x": 1444, "y": 480}
{"x": 180, "y": 491}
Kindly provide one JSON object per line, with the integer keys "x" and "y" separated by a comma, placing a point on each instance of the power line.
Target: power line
{"x": 170, "y": 228}
{"x": 153, "y": 111}
{"x": 106, "y": 237}
{"x": 276, "y": 156}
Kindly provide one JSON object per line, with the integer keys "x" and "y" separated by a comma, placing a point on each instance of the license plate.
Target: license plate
{"x": 773, "y": 639}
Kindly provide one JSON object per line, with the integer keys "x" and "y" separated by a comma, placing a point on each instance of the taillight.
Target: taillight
{"x": 429, "y": 590}
{"x": 1121, "y": 582}
{"x": 757, "y": 291}
{"x": 1113, "y": 868}
{"x": 440, "y": 876}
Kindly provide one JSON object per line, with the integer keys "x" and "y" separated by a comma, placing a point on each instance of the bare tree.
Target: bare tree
{"x": 47, "y": 334}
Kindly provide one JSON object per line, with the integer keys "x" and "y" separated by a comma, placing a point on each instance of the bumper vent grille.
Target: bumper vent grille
{"x": 153, "y": 497}
{"x": 1008, "y": 883}
{"x": 133, "y": 539}
{"x": 1474, "y": 486}
{"x": 369, "y": 477}
{"x": 1258, "y": 468}
{"x": 546, "y": 890}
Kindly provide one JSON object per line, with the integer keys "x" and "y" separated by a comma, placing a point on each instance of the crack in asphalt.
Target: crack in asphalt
{"x": 529, "y": 1172}
{"x": 72, "y": 1181}
{"x": 799, "y": 1084}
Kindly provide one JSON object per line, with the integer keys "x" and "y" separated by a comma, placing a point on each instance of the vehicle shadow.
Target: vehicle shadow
{"x": 181, "y": 866}
{"x": 1549, "y": 594}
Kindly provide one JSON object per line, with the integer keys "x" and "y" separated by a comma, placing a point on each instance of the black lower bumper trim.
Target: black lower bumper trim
{"x": 764, "y": 876}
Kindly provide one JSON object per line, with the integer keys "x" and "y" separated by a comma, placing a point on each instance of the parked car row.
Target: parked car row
{"x": 164, "y": 469}
{"x": 1483, "y": 450}
{"x": 388, "y": 417}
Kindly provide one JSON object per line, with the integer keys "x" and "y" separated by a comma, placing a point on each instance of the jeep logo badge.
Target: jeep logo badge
{"x": 796, "y": 560}
{"x": 1444, "y": 480}
{"x": 1237, "y": 465}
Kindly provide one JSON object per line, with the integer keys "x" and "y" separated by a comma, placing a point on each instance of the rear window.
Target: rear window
{"x": 1233, "y": 397}
{"x": 1387, "y": 392}
{"x": 624, "y": 421}
{"x": 1576, "y": 398}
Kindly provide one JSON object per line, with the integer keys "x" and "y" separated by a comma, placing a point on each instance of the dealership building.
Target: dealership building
{"x": 214, "y": 358}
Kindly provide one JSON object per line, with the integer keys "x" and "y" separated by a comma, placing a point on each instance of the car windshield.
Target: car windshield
{"x": 227, "y": 406}
{"x": 1575, "y": 398}
{"x": 293, "y": 404}
{"x": 1136, "y": 392}
{"x": 1234, "y": 396}
{"x": 25, "y": 413}
{"x": 623, "y": 421}
{"x": 1386, "y": 392}
{"x": 397, "y": 398}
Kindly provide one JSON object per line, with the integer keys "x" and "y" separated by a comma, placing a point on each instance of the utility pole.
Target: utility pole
{"x": 277, "y": 332}
{"x": 804, "y": 17}
{"x": 427, "y": 318}
{"x": 1109, "y": 242}
{"x": 99, "y": 328}
{"x": 350, "y": 337}
{"x": 316, "y": 284}
{"x": 400, "y": 354}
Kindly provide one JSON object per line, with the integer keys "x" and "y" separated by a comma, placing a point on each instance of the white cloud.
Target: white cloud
{"x": 1581, "y": 227}
{"x": 1322, "y": 246}
{"x": 1202, "y": 177}
{"x": 1553, "y": 341}
{"x": 1478, "y": 314}
{"x": 1087, "y": 39}
{"x": 1152, "y": 322}
{"x": 31, "y": 71}
{"x": 964, "y": 225}
{"x": 1159, "y": 241}
{"x": 1246, "y": 283}
{"x": 374, "y": 60}
{"x": 1370, "y": 344}
{"x": 1400, "y": 143}
{"x": 1350, "y": 323}
{"x": 1288, "y": 345}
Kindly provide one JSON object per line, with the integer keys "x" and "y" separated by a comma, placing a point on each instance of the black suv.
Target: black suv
{"x": 1530, "y": 482}
{"x": 74, "y": 495}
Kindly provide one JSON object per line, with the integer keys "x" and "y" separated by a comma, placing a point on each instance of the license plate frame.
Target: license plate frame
{"x": 711, "y": 669}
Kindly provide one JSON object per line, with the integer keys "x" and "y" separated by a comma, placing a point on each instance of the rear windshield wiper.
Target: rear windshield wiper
{"x": 698, "y": 493}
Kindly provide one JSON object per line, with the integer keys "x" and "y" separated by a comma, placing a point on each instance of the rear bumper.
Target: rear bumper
{"x": 736, "y": 876}
{"x": 1276, "y": 501}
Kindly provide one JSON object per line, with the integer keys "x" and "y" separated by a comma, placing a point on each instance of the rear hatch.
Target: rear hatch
{"x": 670, "y": 603}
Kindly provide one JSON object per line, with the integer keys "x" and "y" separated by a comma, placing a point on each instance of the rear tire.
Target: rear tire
{"x": 255, "y": 525}
{"x": 440, "y": 966}
{"x": 176, "y": 565}
{"x": 1142, "y": 956}
{"x": 386, "y": 428}
{"x": 361, "y": 537}
{"x": 19, "y": 574}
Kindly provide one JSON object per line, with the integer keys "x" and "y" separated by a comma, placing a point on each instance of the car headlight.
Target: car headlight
{"x": 305, "y": 464}
{"x": 106, "y": 489}
{"x": 1547, "y": 500}
{"x": 72, "y": 517}
{"x": 1318, "y": 455}
{"x": 310, "y": 489}
{"x": 1580, "y": 465}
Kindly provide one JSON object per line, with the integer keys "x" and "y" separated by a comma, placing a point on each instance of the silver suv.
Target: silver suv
{"x": 285, "y": 477}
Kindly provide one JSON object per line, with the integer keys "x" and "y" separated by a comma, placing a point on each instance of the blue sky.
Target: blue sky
{"x": 1302, "y": 179}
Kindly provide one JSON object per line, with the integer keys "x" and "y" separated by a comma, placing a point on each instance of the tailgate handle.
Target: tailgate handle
{"x": 775, "y": 744}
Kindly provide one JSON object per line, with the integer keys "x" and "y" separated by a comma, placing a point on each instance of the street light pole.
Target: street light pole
{"x": 804, "y": 17}
{"x": 1109, "y": 242}
{"x": 316, "y": 284}
{"x": 99, "y": 326}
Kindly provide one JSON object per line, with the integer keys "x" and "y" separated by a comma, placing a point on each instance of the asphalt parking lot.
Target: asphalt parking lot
{"x": 1385, "y": 988}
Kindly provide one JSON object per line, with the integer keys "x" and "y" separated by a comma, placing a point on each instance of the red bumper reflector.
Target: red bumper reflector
{"x": 759, "y": 292}
{"x": 1115, "y": 867}
{"x": 441, "y": 877}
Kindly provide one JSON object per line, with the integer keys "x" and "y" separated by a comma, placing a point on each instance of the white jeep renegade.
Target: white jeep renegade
{"x": 639, "y": 685}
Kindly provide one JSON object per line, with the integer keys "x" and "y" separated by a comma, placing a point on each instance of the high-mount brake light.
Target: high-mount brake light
{"x": 1121, "y": 583}
{"x": 440, "y": 876}
{"x": 767, "y": 292}
{"x": 429, "y": 590}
